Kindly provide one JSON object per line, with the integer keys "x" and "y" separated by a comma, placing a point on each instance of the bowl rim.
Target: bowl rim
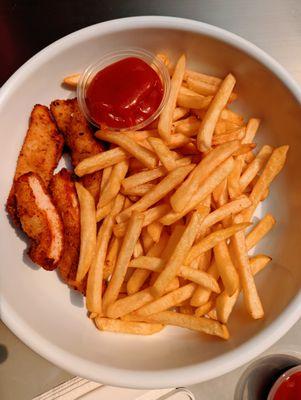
{"x": 186, "y": 375}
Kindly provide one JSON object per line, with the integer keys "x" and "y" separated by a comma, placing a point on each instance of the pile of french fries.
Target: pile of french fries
{"x": 175, "y": 203}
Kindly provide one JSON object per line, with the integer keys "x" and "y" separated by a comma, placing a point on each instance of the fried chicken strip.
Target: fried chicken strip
{"x": 40, "y": 220}
{"x": 40, "y": 153}
{"x": 64, "y": 197}
{"x": 79, "y": 138}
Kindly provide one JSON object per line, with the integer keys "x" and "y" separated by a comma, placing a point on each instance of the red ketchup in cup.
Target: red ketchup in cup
{"x": 125, "y": 90}
{"x": 288, "y": 386}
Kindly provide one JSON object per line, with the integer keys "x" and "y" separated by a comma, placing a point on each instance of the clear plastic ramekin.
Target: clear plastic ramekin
{"x": 110, "y": 58}
{"x": 281, "y": 379}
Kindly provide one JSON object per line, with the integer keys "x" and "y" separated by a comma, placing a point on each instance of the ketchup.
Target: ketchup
{"x": 290, "y": 388}
{"x": 124, "y": 94}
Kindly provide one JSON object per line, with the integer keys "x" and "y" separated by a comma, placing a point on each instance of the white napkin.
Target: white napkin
{"x": 80, "y": 388}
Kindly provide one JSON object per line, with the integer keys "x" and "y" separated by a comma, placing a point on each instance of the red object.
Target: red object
{"x": 124, "y": 94}
{"x": 290, "y": 388}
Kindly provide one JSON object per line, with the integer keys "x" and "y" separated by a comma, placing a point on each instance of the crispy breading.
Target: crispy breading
{"x": 63, "y": 192}
{"x": 40, "y": 220}
{"x": 40, "y": 153}
{"x": 79, "y": 138}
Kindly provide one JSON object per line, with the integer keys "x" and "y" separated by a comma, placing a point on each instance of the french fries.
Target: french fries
{"x": 271, "y": 170}
{"x": 189, "y": 187}
{"x": 165, "y": 155}
{"x": 175, "y": 201}
{"x": 199, "y": 324}
{"x": 136, "y": 328}
{"x": 72, "y": 80}
{"x": 178, "y": 255}
{"x": 165, "y": 119}
{"x": 88, "y": 231}
{"x": 204, "y": 139}
{"x": 113, "y": 185}
{"x": 100, "y": 161}
{"x": 126, "y": 251}
{"x": 167, "y": 184}
{"x": 213, "y": 239}
{"x": 145, "y": 156}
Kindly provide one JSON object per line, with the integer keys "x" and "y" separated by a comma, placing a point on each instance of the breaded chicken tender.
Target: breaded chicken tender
{"x": 63, "y": 193}
{"x": 79, "y": 139}
{"x": 40, "y": 220}
{"x": 40, "y": 153}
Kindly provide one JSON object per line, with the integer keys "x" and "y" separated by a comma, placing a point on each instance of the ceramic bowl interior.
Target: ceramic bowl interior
{"x": 50, "y": 318}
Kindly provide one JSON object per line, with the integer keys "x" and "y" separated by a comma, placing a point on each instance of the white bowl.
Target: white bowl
{"x": 50, "y": 319}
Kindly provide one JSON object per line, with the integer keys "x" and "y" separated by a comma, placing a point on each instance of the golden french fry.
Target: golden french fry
{"x": 112, "y": 188}
{"x": 252, "y": 128}
{"x": 188, "y": 273}
{"x": 237, "y": 134}
{"x": 271, "y": 170}
{"x": 226, "y": 268}
{"x": 229, "y": 115}
{"x": 88, "y": 231}
{"x": 189, "y": 74}
{"x": 213, "y": 239}
{"x": 136, "y": 328}
{"x": 100, "y": 161}
{"x": 127, "y": 248}
{"x": 187, "y": 309}
{"x": 220, "y": 193}
{"x": 225, "y": 303}
{"x": 255, "y": 166}
{"x": 138, "y": 249}
{"x": 204, "y": 139}
{"x": 207, "y": 166}
{"x": 177, "y": 257}
{"x": 95, "y": 276}
{"x": 233, "y": 207}
{"x": 151, "y": 215}
{"x": 179, "y": 113}
{"x": 201, "y": 87}
{"x": 223, "y": 127}
{"x": 260, "y": 230}
{"x": 204, "y": 309}
{"x": 111, "y": 257}
{"x": 200, "y": 324}
{"x": 102, "y": 212}
{"x": 145, "y": 156}
{"x": 209, "y": 184}
{"x": 167, "y": 184}
{"x": 233, "y": 179}
{"x": 129, "y": 304}
{"x": 139, "y": 276}
{"x": 147, "y": 240}
{"x": 201, "y": 294}
{"x": 241, "y": 262}
{"x": 167, "y": 301}
{"x": 244, "y": 150}
{"x": 165, "y": 155}
{"x": 258, "y": 262}
{"x": 72, "y": 80}
{"x": 142, "y": 177}
{"x": 165, "y": 119}
{"x": 188, "y": 126}
{"x": 177, "y": 140}
{"x": 154, "y": 229}
{"x": 139, "y": 190}
{"x": 204, "y": 260}
{"x": 193, "y": 100}
{"x": 105, "y": 177}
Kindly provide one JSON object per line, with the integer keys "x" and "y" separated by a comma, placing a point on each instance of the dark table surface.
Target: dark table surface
{"x": 27, "y": 26}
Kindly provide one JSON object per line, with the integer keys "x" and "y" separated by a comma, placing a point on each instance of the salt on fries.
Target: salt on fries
{"x": 175, "y": 202}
